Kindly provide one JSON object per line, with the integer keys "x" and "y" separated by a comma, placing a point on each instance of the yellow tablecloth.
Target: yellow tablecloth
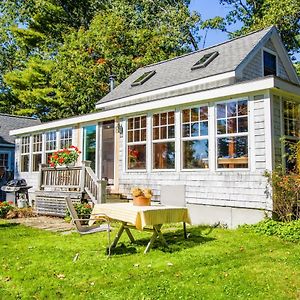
{"x": 142, "y": 216}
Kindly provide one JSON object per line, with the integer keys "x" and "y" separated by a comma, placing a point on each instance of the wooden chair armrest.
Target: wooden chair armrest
{"x": 92, "y": 219}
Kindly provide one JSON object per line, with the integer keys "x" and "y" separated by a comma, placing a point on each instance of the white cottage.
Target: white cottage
{"x": 210, "y": 120}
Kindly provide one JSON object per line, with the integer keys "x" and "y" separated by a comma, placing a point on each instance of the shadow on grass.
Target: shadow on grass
{"x": 8, "y": 225}
{"x": 175, "y": 240}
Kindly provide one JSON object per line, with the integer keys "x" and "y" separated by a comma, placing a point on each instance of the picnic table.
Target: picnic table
{"x": 143, "y": 218}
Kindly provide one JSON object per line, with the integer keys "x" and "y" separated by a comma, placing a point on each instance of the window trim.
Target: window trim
{"x": 238, "y": 134}
{"x": 32, "y": 152}
{"x": 59, "y": 136}
{"x": 125, "y": 136}
{"x": 22, "y": 154}
{"x": 8, "y": 159}
{"x": 264, "y": 49}
{"x": 157, "y": 141}
{"x": 198, "y": 138}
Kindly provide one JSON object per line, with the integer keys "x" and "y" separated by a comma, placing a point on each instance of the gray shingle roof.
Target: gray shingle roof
{"x": 10, "y": 122}
{"x": 178, "y": 70}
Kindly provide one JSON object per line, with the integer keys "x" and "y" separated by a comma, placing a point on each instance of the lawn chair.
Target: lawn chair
{"x": 85, "y": 229}
{"x": 174, "y": 195}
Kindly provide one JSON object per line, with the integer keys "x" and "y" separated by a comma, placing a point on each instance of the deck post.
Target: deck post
{"x": 84, "y": 164}
{"x": 101, "y": 186}
{"x": 41, "y": 176}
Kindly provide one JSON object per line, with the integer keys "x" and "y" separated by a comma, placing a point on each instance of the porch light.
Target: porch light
{"x": 119, "y": 128}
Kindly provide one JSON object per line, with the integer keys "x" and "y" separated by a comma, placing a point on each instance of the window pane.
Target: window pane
{"x": 269, "y": 64}
{"x": 195, "y": 114}
{"x": 221, "y": 126}
{"x": 130, "y": 136}
{"x": 221, "y": 111}
{"x": 36, "y": 161}
{"x": 186, "y": 116}
{"x": 25, "y": 163}
{"x": 243, "y": 124}
{"x": 231, "y": 125}
{"x": 156, "y": 120}
{"x": 242, "y": 108}
{"x": 89, "y": 144}
{"x": 143, "y": 122}
{"x": 195, "y": 154}
{"x": 163, "y": 119}
{"x": 186, "y": 130}
{"x": 195, "y": 129}
{"x": 171, "y": 119}
{"x": 164, "y": 155}
{"x": 4, "y": 160}
{"x": 137, "y": 123}
{"x": 137, "y": 157}
{"x": 156, "y": 133}
{"x": 203, "y": 128}
{"x": 233, "y": 152}
{"x": 66, "y": 138}
{"x": 231, "y": 109}
{"x": 136, "y": 135}
{"x": 204, "y": 113}
{"x": 171, "y": 132}
{"x": 143, "y": 135}
{"x": 130, "y": 123}
{"x": 163, "y": 132}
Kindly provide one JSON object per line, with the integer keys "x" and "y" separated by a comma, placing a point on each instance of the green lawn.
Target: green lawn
{"x": 217, "y": 264}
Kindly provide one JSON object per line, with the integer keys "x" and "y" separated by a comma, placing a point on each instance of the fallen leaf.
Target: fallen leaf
{"x": 169, "y": 264}
{"x": 60, "y": 276}
{"x": 136, "y": 265}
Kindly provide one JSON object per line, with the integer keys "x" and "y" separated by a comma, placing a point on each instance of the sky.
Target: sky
{"x": 209, "y": 9}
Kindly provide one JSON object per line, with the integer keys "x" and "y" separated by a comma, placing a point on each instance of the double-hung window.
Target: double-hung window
{"x": 65, "y": 138}
{"x": 37, "y": 146}
{"x": 163, "y": 140}
{"x": 291, "y": 119}
{"x": 136, "y": 142}
{"x": 291, "y": 115}
{"x": 232, "y": 134}
{"x": 4, "y": 160}
{"x": 195, "y": 138}
{"x": 25, "y": 150}
{"x": 51, "y": 144}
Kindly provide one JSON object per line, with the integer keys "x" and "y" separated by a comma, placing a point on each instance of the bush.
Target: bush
{"x": 83, "y": 211}
{"x": 5, "y": 207}
{"x": 289, "y": 231}
{"x": 285, "y": 195}
{"x": 16, "y": 212}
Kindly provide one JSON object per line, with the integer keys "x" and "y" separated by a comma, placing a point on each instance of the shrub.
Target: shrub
{"x": 5, "y": 207}
{"x": 83, "y": 211}
{"x": 289, "y": 231}
{"x": 285, "y": 194}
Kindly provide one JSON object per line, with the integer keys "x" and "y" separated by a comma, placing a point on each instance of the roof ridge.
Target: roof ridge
{"x": 204, "y": 49}
{"x": 17, "y": 116}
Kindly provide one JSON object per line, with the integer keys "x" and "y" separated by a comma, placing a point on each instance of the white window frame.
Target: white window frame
{"x": 229, "y": 135}
{"x": 25, "y": 153}
{"x": 160, "y": 141}
{"x": 8, "y": 159}
{"x": 263, "y": 64}
{"x": 194, "y": 138}
{"x": 47, "y": 151}
{"x": 33, "y": 152}
{"x": 290, "y": 137}
{"x": 63, "y": 139}
{"x": 138, "y": 143}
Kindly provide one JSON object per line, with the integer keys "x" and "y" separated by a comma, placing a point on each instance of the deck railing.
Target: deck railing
{"x": 73, "y": 178}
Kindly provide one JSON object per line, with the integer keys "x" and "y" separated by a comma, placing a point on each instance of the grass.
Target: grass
{"x": 217, "y": 264}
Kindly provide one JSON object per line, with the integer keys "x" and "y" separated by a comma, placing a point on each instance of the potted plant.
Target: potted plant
{"x": 141, "y": 197}
{"x": 64, "y": 157}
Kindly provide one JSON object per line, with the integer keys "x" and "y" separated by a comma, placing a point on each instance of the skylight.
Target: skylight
{"x": 205, "y": 60}
{"x": 143, "y": 78}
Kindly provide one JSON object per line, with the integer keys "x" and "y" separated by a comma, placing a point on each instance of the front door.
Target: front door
{"x": 108, "y": 151}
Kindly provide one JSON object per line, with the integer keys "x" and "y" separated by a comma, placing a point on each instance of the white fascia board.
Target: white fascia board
{"x": 286, "y": 87}
{"x": 167, "y": 89}
{"x": 208, "y": 95}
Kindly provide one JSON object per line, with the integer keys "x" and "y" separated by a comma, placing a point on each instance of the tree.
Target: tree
{"x": 120, "y": 38}
{"x": 259, "y": 14}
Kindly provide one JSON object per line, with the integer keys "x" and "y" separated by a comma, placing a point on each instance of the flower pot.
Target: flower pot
{"x": 141, "y": 201}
